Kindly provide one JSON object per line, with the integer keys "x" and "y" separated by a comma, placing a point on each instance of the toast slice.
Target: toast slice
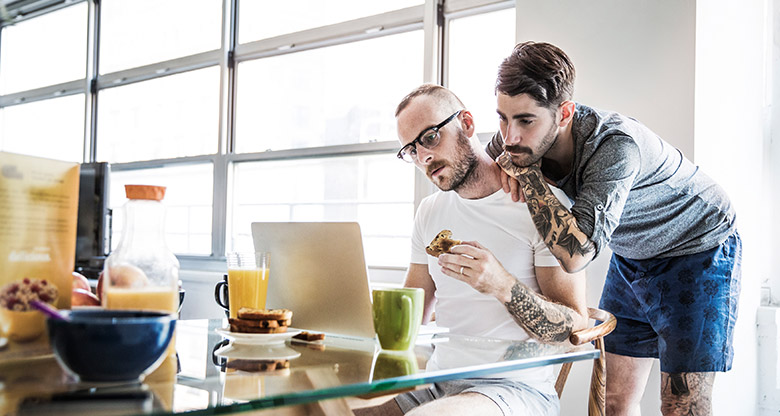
{"x": 442, "y": 243}
{"x": 264, "y": 314}
{"x": 257, "y": 329}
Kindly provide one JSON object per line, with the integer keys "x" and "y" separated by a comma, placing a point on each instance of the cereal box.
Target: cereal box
{"x": 38, "y": 214}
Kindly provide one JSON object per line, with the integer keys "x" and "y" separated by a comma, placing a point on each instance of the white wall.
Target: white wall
{"x": 730, "y": 141}
{"x": 634, "y": 57}
{"x": 692, "y": 71}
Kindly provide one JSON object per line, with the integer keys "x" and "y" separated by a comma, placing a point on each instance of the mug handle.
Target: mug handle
{"x": 219, "y": 289}
{"x": 406, "y": 318}
{"x": 219, "y": 361}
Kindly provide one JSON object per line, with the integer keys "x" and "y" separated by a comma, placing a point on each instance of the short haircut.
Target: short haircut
{"x": 540, "y": 70}
{"x": 437, "y": 91}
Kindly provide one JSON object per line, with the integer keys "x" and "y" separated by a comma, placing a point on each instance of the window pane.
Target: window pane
{"x": 140, "y": 32}
{"x": 284, "y": 102}
{"x": 478, "y": 44}
{"x": 265, "y": 19}
{"x": 29, "y": 59}
{"x": 167, "y": 117}
{"x": 188, "y": 201}
{"x": 52, "y": 128}
{"x": 376, "y": 191}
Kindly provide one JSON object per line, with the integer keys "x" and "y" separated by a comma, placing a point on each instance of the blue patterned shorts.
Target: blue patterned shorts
{"x": 681, "y": 310}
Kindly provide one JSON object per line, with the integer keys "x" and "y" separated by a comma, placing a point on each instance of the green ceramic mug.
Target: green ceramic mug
{"x": 397, "y": 316}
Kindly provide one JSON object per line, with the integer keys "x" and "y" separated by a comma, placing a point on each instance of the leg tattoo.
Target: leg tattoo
{"x": 686, "y": 393}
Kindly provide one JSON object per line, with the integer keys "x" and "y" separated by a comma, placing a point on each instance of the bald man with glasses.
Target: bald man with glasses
{"x": 501, "y": 283}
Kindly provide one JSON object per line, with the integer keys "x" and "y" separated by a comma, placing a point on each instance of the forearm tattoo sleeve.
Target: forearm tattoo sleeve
{"x": 555, "y": 223}
{"x": 542, "y": 319}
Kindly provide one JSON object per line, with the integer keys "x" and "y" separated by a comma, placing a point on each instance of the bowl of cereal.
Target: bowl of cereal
{"x": 110, "y": 345}
{"x": 19, "y": 321}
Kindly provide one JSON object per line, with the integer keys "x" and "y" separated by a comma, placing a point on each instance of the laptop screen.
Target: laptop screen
{"x": 317, "y": 270}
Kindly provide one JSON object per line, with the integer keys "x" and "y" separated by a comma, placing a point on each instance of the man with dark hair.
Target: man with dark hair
{"x": 503, "y": 284}
{"x": 674, "y": 277}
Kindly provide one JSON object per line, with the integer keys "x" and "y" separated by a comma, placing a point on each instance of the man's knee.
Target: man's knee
{"x": 388, "y": 408}
{"x": 459, "y": 404}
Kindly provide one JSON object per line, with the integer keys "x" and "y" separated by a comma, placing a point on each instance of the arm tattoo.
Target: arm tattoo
{"x": 544, "y": 320}
{"x": 569, "y": 242}
{"x": 687, "y": 393}
{"x": 555, "y": 223}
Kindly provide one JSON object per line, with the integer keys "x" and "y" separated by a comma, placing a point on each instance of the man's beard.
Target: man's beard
{"x": 463, "y": 169}
{"x": 525, "y": 156}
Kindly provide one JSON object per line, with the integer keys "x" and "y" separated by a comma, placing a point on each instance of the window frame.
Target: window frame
{"x": 433, "y": 17}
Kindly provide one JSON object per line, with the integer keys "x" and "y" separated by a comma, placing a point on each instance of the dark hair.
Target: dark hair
{"x": 443, "y": 94}
{"x": 540, "y": 70}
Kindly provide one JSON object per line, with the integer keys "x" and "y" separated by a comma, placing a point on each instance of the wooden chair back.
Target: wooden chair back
{"x": 598, "y": 380}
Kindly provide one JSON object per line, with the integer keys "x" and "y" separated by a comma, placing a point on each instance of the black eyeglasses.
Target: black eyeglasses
{"x": 429, "y": 139}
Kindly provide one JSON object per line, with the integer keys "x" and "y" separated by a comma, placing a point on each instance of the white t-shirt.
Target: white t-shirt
{"x": 506, "y": 229}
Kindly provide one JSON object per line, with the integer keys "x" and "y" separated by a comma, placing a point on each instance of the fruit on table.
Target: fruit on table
{"x": 127, "y": 276}
{"x": 81, "y": 297}
{"x": 80, "y": 281}
{"x": 123, "y": 275}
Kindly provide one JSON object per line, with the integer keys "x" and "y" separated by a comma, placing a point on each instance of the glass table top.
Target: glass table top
{"x": 212, "y": 374}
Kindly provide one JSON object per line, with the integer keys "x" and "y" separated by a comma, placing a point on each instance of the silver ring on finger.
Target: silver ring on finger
{"x": 461, "y": 269}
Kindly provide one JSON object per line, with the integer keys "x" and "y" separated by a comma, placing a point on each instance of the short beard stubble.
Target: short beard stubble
{"x": 463, "y": 168}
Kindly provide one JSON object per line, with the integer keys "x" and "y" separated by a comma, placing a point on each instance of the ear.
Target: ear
{"x": 567, "y": 112}
{"x": 467, "y": 122}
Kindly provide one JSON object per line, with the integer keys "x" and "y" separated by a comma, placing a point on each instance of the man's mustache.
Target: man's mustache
{"x": 434, "y": 166}
{"x": 515, "y": 149}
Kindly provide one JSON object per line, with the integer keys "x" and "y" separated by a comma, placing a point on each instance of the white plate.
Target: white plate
{"x": 257, "y": 352}
{"x": 258, "y": 339}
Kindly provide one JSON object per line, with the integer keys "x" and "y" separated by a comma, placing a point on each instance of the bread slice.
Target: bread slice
{"x": 264, "y": 323}
{"x": 310, "y": 336}
{"x": 442, "y": 243}
{"x": 264, "y": 314}
{"x": 257, "y": 329}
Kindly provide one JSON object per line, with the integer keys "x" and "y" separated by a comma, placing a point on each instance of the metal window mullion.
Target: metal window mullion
{"x": 457, "y": 8}
{"x": 219, "y": 207}
{"x": 432, "y": 36}
{"x": 226, "y": 121}
{"x": 43, "y": 93}
{"x": 25, "y": 10}
{"x": 161, "y": 163}
{"x": 245, "y": 54}
{"x": 358, "y": 149}
{"x": 159, "y": 69}
{"x": 353, "y": 30}
{"x": 432, "y": 73}
{"x": 90, "y": 104}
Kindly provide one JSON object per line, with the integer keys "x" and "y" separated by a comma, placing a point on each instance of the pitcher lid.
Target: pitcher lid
{"x": 149, "y": 192}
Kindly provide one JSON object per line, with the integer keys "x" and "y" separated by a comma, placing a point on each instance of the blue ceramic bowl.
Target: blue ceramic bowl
{"x": 110, "y": 345}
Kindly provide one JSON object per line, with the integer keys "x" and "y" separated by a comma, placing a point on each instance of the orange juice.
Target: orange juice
{"x": 150, "y": 299}
{"x": 247, "y": 288}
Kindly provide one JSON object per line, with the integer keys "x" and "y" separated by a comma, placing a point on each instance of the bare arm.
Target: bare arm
{"x": 555, "y": 223}
{"x": 418, "y": 276}
{"x": 547, "y": 319}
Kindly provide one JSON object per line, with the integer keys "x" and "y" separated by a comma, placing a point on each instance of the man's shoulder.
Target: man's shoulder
{"x": 433, "y": 198}
{"x": 592, "y": 126}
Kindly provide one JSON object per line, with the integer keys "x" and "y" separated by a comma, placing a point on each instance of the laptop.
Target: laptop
{"x": 318, "y": 271}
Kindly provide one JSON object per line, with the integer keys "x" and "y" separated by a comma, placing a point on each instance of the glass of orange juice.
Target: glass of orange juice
{"x": 247, "y": 280}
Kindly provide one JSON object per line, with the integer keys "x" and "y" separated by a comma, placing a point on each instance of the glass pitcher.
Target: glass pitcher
{"x": 142, "y": 273}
